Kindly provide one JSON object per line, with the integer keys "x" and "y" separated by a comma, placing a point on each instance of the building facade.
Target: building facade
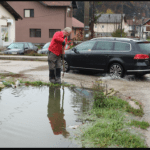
{"x": 8, "y": 19}
{"x": 108, "y": 23}
{"x": 41, "y": 19}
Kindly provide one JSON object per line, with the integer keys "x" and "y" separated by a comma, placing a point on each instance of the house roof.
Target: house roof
{"x": 56, "y": 3}
{"x": 110, "y": 18}
{"x": 76, "y": 23}
{"x": 10, "y": 9}
{"x": 137, "y": 22}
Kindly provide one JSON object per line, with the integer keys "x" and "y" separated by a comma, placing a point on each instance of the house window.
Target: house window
{"x": 52, "y": 32}
{"x": 74, "y": 31}
{"x": 35, "y": 32}
{"x": 95, "y": 26}
{"x": 28, "y": 13}
{"x": 102, "y": 26}
{"x": 69, "y": 12}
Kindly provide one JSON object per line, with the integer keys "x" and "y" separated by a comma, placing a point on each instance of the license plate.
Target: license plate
{"x": 14, "y": 52}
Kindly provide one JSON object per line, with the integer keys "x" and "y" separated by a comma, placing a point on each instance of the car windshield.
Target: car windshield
{"x": 46, "y": 45}
{"x": 144, "y": 46}
{"x": 16, "y": 46}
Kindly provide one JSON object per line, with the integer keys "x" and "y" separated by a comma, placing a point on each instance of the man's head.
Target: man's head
{"x": 67, "y": 31}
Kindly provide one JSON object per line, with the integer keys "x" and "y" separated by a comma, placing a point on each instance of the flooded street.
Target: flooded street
{"x": 41, "y": 116}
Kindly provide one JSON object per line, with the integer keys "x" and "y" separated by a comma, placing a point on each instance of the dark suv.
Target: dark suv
{"x": 117, "y": 56}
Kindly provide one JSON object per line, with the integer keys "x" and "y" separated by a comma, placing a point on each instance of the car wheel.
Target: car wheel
{"x": 116, "y": 70}
{"x": 66, "y": 66}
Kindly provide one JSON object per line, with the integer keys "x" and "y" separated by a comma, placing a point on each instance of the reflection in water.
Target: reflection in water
{"x": 56, "y": 112}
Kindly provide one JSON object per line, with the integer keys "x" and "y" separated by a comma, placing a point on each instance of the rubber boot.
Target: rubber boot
{"x": 52, "y": 76}
{"x": 58, "y": 75}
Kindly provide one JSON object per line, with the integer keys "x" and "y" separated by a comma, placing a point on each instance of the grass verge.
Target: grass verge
{"x": 109, "y": 126}
{"x": 37, "y": 83}
{"x": 141, "y": 124}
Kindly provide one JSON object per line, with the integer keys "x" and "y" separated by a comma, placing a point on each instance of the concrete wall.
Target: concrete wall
{"x": 45, "y": 18}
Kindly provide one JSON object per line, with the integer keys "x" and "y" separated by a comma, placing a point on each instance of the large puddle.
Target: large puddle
{"x": 41, "y": 116}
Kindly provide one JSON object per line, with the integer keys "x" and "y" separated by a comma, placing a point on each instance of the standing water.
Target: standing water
{"x": 41, "y": 116}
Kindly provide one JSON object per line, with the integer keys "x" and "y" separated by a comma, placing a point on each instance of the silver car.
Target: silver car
{"x": 44, "y": 49}
{"x": 19, "y": 48}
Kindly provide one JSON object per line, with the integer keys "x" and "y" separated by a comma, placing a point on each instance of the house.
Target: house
{"x": 8, "y": 17}
{"x": 41, "y": 19}
{"x": 77, "y": 28}
{"x": 139, "y": 28}
{"x": 108, "y": 23}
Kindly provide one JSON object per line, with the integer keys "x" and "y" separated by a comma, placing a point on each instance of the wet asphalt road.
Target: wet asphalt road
{"x": 129, "y": 86}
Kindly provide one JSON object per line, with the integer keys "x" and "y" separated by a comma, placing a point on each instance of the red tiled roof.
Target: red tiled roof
{"x": 57, "y": 3}
{"x": 76, "y": 23}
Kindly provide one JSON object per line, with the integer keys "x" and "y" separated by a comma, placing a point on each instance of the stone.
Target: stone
{"x": 2, "y": 85}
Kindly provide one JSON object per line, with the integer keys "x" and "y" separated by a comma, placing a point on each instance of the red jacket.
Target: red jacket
{"x": 58, "y": 123}
{"x": 56, "y": 43}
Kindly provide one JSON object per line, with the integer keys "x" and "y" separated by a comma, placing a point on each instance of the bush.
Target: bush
{"x": 148, "y": 37}
{"x": 80, "y": 35}
{"x": 117, "y": 33}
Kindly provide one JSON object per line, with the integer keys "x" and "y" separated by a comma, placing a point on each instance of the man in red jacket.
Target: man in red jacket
{"x": 54, "y": 54}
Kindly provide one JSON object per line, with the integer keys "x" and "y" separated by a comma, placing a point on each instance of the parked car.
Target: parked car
{"x": 116, "y": 56}
{"x": 44, "y": 49}
{"x": 19, "y": 48}
{"x": 32, "y": 46}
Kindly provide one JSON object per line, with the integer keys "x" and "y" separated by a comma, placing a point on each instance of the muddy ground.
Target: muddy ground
{"x": 128, "y": 87}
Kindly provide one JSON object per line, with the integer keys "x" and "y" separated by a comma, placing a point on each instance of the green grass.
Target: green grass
{"x": 137, "y": 112}
{"x": 10, "y": 74}
{"x": 102, "y": 101}
{"x": 37, "y": 83}
{"x": 39, "y": 47}
{"x": 8, "y": 83}
{"x": 35, "y": 54}
{"x": 2, "y": 77}
{"x": 107, "y": 133}
{"x": 108, "y": 125}
{"x": 141, "y": 124}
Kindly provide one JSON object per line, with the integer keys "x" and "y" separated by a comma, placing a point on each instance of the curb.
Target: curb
{"x": 31, "y": 58}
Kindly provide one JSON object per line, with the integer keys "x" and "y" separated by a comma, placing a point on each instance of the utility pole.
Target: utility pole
{"x": 86, "y": 20}
{"x": 134, "y": 26}
{"x": 142, "y": 26}
{"x": 92, "y": 23}
{"x": 121, "y": 18}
